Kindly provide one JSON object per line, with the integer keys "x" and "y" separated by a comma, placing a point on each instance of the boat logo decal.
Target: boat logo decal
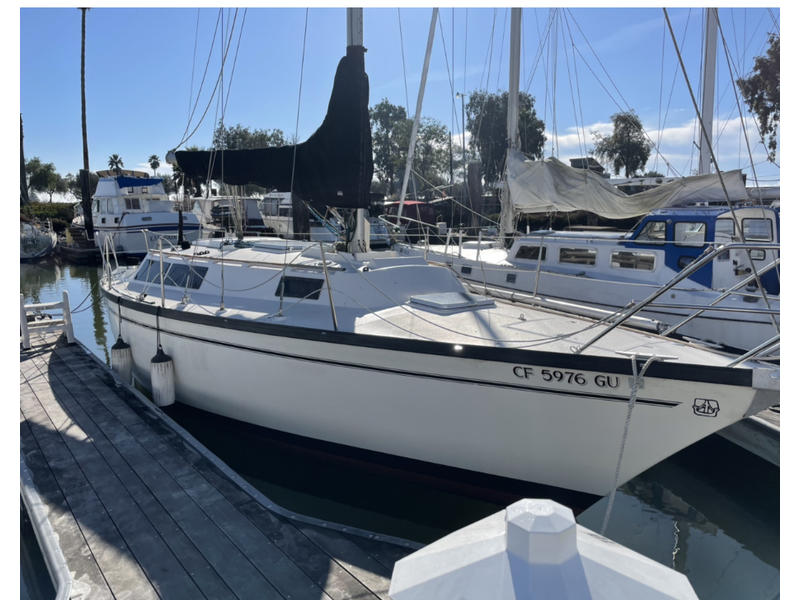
{"x": 704, "y": 407}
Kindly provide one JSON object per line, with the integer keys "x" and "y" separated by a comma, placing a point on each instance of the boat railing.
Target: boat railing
{"x": 709, "y": 255}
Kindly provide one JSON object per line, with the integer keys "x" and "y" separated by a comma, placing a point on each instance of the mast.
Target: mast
{"x": 512, "y": 120}
{"x": 413, "y": 140}
{"x": 707, "y": 100}
{"x": 355, "y": 37}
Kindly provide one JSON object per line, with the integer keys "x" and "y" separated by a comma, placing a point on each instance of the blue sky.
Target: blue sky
{"x": 139, "y": 74}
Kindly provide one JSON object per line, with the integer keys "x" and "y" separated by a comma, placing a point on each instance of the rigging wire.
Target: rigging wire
{"x": 202, "y": 82}
{"x": 208, "y": 106}
{"x": 403, "y": 58}
{"x": 194, "y": 61}
{"x": 554, "y": 139}
{"x": 610, "y": 95}
{"x": 294, "y": 153}
{"x": 502, "y": 46}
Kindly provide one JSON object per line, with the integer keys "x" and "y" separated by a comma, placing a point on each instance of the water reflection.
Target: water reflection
{"x": 45, "y": 281}
{"x": 711, "y": 511}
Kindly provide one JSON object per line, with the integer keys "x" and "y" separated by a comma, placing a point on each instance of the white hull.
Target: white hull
{"x": 490, "y": 416}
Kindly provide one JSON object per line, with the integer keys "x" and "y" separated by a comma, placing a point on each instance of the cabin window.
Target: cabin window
{"x": 131, "y": 190}
{"x": 132, "y": 204}
{"x": 653, "y": 231}
{"x": 177, "y": 275}
{"x": 97, "y": 206}
{"x": 757, "y": 230}
{"x": 144, "y": 190}
{"x": 466, "y": 270}
{"x": 532, "y": 252}
{"x": 724, "y": 228}
{"x": 577, "y": 256}
{"x": 299, "y": 287}
{"x": 511, "y": 278}
{"x": 185, "y": 276}
{"x": 690, "y": 233}
{"x": 758, "y": 254}
{"x": 147, "y": 218}
{"x": 284, "y": 211}
{"x": 148, "y": 272}
{"x": 645, "y": 261}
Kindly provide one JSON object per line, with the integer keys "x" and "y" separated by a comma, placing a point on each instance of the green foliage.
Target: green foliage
{"x": 653, "y": 174}
{"x": 61, "y": 211}
{"x": 386, "y": 119}
{"x": 74, "y": 183}
{"x": 43, "y": 177}
{"x": 627, "y": 147}
{"x": 391, "y": 131}
{"x": 486, "y": 122}
{"x": 154, "y": 163}
{"x": 115, "y": 163}
{"x": 762, "y": 93}
{"x": 237, "y": 137}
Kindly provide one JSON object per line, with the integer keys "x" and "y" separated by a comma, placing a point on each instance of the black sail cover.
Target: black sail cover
{"x": 333, "y": 167}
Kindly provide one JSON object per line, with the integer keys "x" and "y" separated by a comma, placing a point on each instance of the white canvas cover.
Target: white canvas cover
{"x": 550, "y": 185}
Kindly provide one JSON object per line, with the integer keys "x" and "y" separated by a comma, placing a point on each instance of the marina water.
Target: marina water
{"x": 711, "y": 511}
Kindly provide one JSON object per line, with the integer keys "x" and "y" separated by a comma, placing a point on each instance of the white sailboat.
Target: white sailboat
{"x": 385, "y": 353}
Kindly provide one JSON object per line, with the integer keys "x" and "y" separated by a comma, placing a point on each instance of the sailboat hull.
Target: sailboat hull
{"x": 539, "y": 421}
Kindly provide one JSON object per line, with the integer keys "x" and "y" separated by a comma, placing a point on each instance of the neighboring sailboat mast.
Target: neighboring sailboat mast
{"x": 355, "y": 37}
{"x": 707, "y": 100}
{"x": 512, "y": 119}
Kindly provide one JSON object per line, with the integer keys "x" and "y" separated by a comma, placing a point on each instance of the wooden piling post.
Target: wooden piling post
{"x": 67, "y": 317}
{"x": 23, "y": 323}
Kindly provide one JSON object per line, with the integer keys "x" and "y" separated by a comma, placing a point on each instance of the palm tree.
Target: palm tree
{"x": 86, "y": 199}
{"x": 115, "y": 162}
{"x": 154, "y": 163}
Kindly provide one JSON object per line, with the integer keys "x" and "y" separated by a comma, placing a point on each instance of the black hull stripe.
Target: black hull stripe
{"x": 481, "y": 382}
{"x": 579, "y": 362}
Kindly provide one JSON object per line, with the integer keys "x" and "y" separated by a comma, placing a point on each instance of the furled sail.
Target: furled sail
{"x": 550, "y": 185}
{"x": 333, "y": 167}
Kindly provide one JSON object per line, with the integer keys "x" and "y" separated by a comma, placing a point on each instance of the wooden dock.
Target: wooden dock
{"x": 141, "y": 510}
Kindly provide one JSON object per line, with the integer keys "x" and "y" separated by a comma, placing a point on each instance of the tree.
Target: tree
{"x": 115, "y": 163}
{"x": 154, "y": 163}
{"x": 85, "y": 173}
{"x": 627, "y": 147}
{"x": 44, "y": 178}
{"x": 73, "y": 183}
{"x": 238, "y": 137}
{"x": 387, "y": 120}
{"x": 762, "y": 93}
{"x": 486, "y": 122}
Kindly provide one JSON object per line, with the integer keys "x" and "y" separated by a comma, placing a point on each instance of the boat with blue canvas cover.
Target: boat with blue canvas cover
{"x": 132, "y": 212}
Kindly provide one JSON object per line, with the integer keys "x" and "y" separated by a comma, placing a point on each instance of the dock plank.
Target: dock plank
{"x": 141, "y": 512}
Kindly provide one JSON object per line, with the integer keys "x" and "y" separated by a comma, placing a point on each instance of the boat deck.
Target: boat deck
{"x": 139, "y": 509}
